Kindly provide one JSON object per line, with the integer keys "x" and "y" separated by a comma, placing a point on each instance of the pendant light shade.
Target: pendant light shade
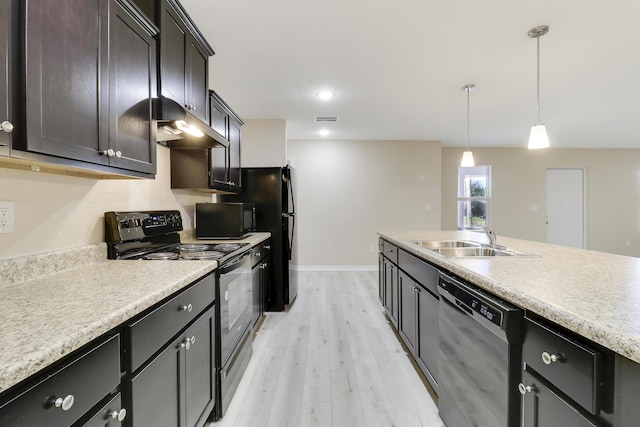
{"x": 538, "y": 137}
{"x": 467, "y": 156}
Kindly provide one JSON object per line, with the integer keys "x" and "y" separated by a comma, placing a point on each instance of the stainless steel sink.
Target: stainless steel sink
{"x": 431, "y": 244}
{"x": 468, "y": 249}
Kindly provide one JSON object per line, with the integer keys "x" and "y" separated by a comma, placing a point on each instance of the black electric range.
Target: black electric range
{"x": 154, "y": 235}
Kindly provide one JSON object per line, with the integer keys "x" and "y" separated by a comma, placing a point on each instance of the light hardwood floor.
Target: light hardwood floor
{"x": 331, "y": 360}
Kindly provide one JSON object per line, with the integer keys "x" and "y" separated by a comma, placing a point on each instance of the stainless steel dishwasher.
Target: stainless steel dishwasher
{"x": 480, "y": 357}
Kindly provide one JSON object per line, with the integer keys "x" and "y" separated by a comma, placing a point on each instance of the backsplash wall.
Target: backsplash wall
{"x": 54, "y": 212}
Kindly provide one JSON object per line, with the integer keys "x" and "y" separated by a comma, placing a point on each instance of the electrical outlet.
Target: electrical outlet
{"x": 6, "y": 217}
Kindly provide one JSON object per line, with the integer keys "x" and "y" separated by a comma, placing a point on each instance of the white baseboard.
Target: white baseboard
{"x": 335, "y": 267}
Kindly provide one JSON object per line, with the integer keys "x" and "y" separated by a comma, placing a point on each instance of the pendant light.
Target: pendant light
{"x": 538, "y": 137}
{"x": 467, "y": 156}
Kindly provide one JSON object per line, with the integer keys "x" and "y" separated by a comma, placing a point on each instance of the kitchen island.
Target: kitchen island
{"x": 575, "y": 360}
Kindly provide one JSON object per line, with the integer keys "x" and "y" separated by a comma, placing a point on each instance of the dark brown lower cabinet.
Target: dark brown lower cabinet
{"x": 418, "y": 324}
{"x": 178, "y": 386}
{"x": 391, "y": 290}
{"x": 542, "y": 407}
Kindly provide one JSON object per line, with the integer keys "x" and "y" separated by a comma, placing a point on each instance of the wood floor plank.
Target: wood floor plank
{"x": 331, "y": 360}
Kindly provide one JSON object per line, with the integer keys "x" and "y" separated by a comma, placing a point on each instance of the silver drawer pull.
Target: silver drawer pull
{"x": 257, "y": 253}
{"x": 548, "y": 359}
{"x": 65, "y": 403}
{"x": 267, "y": 247}
{"x": 524, "y": 389}
{"x": 7, "y": 126}
{"x": 187, "y": 307}
{"x": 119, "y": 415}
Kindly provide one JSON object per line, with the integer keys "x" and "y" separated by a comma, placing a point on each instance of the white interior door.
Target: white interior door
{"x": 566, "y": 207}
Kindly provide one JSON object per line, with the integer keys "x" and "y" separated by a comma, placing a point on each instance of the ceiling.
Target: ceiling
{"x": 397, "y": 68}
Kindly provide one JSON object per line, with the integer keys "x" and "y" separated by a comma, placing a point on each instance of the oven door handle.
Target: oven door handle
{"x": 232, "y": 265}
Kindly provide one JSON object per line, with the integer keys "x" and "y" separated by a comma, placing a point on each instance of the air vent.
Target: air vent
{"x": 326, "y": 119}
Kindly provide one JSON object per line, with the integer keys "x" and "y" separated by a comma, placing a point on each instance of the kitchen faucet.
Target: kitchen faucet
{"x": 490, "y": 234}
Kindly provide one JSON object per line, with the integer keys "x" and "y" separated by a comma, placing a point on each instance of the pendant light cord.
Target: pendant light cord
{"x": 538, "y": 77}
{"x": 468, "y": 90}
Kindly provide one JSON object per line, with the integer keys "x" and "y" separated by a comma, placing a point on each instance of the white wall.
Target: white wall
{"x": 264, "y": 143}
{"x": 349, "y": 190}
{"x": 54, "y": 212}
{"x": 519, "y": 186}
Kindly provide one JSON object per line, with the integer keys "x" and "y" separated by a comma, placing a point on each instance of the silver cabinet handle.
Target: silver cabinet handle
{"x": 267, "y": 247}
{"x": 524, "y": 389}
{"x": 257, "y": 253}
{"x": 118, "y": 154}
{"x": 188, "y": 342}
{"x": 108, "y": 153}
{"x": 64, "y": 403}
{"x": 548, "y": 359}
{"x": 187, "y": 308}
{"x": 119, "y": 415}
{"x": 7, "y": 126}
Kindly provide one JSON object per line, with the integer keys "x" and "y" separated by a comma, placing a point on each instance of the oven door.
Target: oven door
{"x": 236, "y": 299}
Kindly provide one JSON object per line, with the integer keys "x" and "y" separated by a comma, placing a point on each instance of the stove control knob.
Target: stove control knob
{"x": 187, "y": 308}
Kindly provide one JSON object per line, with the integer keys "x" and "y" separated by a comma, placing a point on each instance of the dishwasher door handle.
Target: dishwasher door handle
{"x": 463, "y": 307}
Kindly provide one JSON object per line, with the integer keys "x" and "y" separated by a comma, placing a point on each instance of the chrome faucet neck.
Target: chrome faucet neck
{"x": 490, "y": 235}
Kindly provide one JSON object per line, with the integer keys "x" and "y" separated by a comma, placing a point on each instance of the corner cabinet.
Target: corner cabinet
{"x": 90, "y": 76}
{"x": 184, "y": 60}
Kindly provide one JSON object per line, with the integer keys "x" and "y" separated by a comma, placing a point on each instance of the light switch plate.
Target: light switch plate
{"x": 6, "y": 217}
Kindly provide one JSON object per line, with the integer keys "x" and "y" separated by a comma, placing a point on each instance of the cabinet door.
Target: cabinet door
{"x": 408, "y": 305}
{"x": 265, "y": 285}
{"x": 132, "y": 82}
{"x": 200, "y": 386}
{"x": 197, "y": 80}
{"x": 219, "y": 118}
{"x": 173, "y": 43}
{"x": 6, "y": 59}
{"x": 219, "y": 169}
{"x": 66, "y": 51}
{"x": 381, "y": 271}
{"x": 542, "y": 407}
{"x": 428, "y": 334}
{"x": 234, "y": 154}
{"x": 156, "y": 390}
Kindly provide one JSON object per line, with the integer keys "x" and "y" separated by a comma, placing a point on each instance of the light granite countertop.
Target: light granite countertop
{"x": 594, "y": 294}
{"x": 53, "y": 304}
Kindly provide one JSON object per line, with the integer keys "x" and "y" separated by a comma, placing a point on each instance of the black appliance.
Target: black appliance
{"x": 271, "y": 190}
{"x": 154, "y": 235}
{"x": 224, "y": 220}
{"x": 480, "y": 356}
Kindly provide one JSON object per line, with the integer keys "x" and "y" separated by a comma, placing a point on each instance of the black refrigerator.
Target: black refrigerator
{"x": 271, "y": 190}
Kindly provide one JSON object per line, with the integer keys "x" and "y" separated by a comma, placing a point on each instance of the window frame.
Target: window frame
{"x": 463, "y": 174}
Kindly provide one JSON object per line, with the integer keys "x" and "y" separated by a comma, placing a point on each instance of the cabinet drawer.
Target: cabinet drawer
{"x": 421, "y": 271}
{"x": 574, "y": 368}
{"x": 110, "y": 415}
{"x": 148, "y": 334}
{"x": 87, "y": 378}
{"x": 390, "y": 251}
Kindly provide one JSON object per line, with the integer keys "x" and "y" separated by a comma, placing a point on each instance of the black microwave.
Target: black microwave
{"x": 224, "y": 220}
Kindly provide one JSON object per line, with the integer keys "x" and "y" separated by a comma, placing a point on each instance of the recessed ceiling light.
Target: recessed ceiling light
{"x": 324, "y": 132}
{"x": 325, "y": 95}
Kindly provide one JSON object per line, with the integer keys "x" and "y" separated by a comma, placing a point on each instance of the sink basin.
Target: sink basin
{"x": 482, "y": 251}
{"x": 431, "y": 244}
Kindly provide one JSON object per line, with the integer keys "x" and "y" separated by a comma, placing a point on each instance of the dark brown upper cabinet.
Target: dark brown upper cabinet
{"x": 184, "y": 60}
{"x": 89, "y": 78}
{"x": 215, "y": 169}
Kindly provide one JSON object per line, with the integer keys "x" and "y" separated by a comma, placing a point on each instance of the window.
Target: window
{"x": 474, "y": 192}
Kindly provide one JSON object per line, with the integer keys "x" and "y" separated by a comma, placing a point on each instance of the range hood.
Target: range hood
{"x": 178, "y": 128}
